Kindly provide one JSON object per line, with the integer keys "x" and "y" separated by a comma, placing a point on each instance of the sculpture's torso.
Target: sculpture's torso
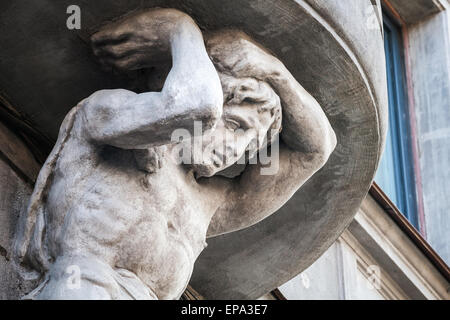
{"x": 153, "y": 224}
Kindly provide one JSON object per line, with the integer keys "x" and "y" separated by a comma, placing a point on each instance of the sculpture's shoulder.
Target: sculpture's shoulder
{"x": 68, "y": 123}
{"x": 65, "y": 133}
{"x": 71, "y": 146}
{"x": 29, "y": 221}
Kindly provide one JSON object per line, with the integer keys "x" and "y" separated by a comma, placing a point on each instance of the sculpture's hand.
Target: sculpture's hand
{"x": 229, "y": 59}
{"x": 140, "y": 40}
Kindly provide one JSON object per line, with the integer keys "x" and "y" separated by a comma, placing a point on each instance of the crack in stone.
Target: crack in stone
{"x": 4, "y": 253}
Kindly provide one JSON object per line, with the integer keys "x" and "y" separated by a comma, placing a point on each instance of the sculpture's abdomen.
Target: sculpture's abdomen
{"x": 131, "y": 220}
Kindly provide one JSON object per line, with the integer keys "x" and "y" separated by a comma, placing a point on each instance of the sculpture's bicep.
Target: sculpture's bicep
{"x": 127, "y": 120}
{"x": 102, "y": 114}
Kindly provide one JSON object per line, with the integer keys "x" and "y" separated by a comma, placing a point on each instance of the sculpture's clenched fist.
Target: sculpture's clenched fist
{"x": 141, "y": 39}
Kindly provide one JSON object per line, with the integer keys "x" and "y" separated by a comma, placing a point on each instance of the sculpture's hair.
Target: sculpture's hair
{"x": 250, "y": 91}
{"x": 240, "y": 62}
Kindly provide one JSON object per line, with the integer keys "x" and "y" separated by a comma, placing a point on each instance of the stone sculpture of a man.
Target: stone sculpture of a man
{"x": 113, "y": 202}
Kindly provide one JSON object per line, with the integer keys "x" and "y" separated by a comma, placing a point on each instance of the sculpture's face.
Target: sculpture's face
{"x": 251, "y": 110}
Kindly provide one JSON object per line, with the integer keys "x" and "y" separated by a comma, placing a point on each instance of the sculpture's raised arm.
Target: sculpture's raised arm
{"x": 192, "y": 90}
{"x": 307, "y": 140}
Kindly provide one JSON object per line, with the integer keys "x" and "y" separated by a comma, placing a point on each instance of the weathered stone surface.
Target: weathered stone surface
{"x": 430, "y": 59}
{"x": 14, "y": 197}
{"x": 126, "y": 232}
{"x": 414, "y": 11}
{"x": 14, "y": 150}
{"x": 341, "y": 63}
{"x": 322, "y": 54}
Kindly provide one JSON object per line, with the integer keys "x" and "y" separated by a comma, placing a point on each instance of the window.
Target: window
{"x": 396, "y": 173}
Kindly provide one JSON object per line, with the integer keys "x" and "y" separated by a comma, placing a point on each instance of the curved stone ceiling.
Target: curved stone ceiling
{"x": 330, "y": 48}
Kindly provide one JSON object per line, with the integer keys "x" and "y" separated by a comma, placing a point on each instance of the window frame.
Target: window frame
{"x": 399, "y": 122}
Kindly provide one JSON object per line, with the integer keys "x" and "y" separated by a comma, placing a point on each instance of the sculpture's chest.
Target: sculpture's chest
{"x": 111, "y": 201}
{"x": 111, "y": 175}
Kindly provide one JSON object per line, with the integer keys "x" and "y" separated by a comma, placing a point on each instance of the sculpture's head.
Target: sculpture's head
{"x": 252, "y": 114}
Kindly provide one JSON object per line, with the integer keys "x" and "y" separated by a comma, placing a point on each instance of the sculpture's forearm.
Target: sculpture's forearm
{"x": 307, "y": 142}
{"x": 306, "y": 128}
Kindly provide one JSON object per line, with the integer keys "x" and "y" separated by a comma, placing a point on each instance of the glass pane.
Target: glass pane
{"x": 385, "y": 176}
{"x": 395, "y": 174}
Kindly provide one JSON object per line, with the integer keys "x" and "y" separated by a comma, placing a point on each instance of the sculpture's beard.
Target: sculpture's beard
{"x": 221, "y": 167}
{"x": 207, "y": 170}
{"x": 151, "y": 159}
